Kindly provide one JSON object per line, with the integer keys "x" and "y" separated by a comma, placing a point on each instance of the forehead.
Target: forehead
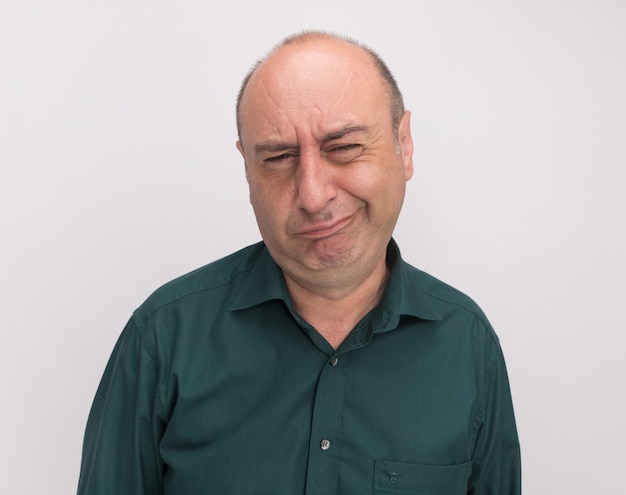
{"x": 316, "y": 84}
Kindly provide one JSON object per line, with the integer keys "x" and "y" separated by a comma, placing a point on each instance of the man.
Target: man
{"x": 318, "y": 361}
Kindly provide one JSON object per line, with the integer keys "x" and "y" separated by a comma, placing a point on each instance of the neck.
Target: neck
{"x": 335, "y": 311}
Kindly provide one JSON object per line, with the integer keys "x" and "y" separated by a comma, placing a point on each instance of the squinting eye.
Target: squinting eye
{"x": 279, "y": 158}
{"x": 344, "y": 152}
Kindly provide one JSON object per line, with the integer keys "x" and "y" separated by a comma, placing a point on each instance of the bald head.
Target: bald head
{"x": 327, "y": 160}
{"x": 349, "y": 49}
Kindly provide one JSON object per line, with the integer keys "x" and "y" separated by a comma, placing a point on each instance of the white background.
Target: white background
{"x": 119, "y": 172}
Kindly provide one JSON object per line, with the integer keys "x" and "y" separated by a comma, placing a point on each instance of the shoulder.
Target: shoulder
{"x": 212, "y": 278}
{"x": 442, "y": 292}
{"x": 447, "y": 301}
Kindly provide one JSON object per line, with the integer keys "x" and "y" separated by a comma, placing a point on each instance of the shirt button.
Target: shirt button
{"x": 334, "y": 361}
{"x": 325, "y": 444}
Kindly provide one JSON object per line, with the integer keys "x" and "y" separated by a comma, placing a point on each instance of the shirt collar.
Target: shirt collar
{"x": 402, "y": 297}
{"x": 264, "y": 283}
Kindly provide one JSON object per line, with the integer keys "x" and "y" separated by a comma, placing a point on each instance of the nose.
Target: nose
{"x": 315, "y": 186}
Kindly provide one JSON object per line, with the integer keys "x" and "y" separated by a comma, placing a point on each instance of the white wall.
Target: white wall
{"x": 118, "y": 172}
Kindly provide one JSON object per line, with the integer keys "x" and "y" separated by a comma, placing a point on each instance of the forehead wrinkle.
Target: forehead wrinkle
{"x": 300, "y": 108}
{"x": 260, "y": 93}
{"x": 370, "y": 89}
{"x": 267, "y": 94}
{"x": 346, "y": 85}
{"x": 271, "y": 146}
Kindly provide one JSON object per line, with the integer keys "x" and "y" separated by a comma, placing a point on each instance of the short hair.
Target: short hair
{"x": 395, "y": 96}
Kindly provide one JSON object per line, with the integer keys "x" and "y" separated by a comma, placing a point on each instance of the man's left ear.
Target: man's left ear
{"x": 405, "y": 142}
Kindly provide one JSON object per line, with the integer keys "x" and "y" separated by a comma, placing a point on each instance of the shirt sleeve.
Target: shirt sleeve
{"x": 120, "y": 450}
{"x": 496, "y": 467}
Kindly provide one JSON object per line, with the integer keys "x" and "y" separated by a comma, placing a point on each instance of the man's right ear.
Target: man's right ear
{"x": 245, "y": 165}
{"x": 240, "y": 148}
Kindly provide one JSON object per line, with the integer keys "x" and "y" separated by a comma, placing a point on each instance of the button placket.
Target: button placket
{"x": 322, "y": 466}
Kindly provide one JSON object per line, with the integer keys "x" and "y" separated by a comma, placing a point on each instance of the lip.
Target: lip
{"x": 320, "y": 231}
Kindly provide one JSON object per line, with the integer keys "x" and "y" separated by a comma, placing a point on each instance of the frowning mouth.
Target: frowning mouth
{"x": 321, "y": 230}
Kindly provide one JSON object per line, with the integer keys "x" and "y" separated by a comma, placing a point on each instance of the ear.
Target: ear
{"x": 240, "y": 148}
{"x": 405, "y": 141}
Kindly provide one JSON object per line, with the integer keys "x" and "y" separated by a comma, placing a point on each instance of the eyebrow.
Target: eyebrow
{"x": 273, "y": 147}
{"x": 343, "y": 132}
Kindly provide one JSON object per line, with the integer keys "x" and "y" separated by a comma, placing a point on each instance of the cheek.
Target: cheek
{"x": 371, "y": 184}
{"x": 268, "y": 206}
{"x": 260, "y": 204}
{"x": 383, "y": 190}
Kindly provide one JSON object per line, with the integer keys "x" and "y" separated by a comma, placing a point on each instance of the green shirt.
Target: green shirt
{"x": 217, "y": 386}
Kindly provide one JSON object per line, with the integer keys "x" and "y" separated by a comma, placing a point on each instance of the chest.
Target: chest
{"x": 281, "y": 416}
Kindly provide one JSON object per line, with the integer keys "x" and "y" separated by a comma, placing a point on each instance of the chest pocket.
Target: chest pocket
{"x": 417, "y": 479}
